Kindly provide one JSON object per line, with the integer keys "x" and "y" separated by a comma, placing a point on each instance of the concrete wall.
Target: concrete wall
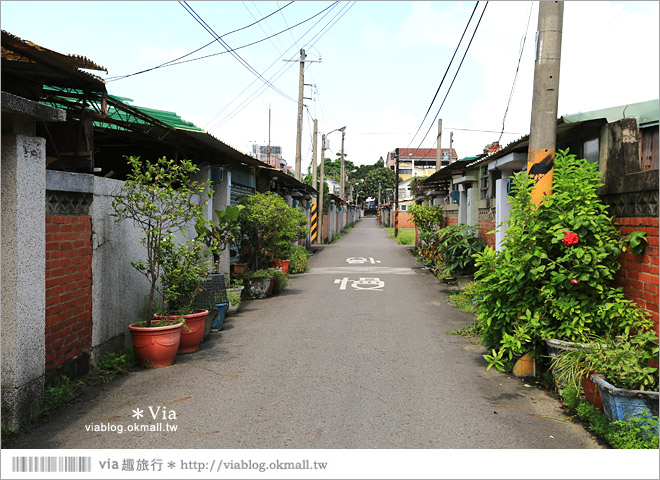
{"x": 118, "y": 290}
{"x": 23, "y": 263}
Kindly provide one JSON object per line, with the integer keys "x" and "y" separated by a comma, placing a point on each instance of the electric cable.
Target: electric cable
{"x": 515, "y": 77}
{"x": 445, "y": 74}
{"x": 454, "y": 79}
{"x": 171, "y": 62}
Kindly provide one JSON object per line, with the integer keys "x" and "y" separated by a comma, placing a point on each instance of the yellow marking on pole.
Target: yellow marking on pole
{"x": 314, "y": 223}
{"x": 541, "y": 167}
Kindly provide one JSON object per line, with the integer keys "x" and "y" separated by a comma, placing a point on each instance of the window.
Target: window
{"x": 590, "y": 150}
{"x": 405, "y": 171}
{"x": 485, "y": 182}
{"x": 403, "y": 208}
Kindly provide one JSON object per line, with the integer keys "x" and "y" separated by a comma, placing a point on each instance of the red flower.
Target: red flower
{"x": 574, "y": 281}
{"x": 570, "y": 238}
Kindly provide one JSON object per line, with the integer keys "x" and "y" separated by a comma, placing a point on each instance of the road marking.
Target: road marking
{"x": 363, "y": 283}
{"x": 360, "y": 260}
{"x": 349, "y": 270}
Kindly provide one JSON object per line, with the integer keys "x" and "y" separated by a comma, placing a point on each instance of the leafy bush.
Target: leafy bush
{"x": 268, "y": 227}
{"x": 298, "y": 255}
{"x": 281, "y": 281}
{"x": 428, "y": 219}
{"x": 552, "y": 280}
{"x": 456, "y": 245}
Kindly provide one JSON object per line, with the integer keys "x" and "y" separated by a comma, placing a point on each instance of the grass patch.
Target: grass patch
{"x": 406, "y": 235}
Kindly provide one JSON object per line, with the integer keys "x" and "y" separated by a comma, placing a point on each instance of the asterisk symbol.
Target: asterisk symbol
{"x": 137, "y": 413}
{"x": 171, "y": 465}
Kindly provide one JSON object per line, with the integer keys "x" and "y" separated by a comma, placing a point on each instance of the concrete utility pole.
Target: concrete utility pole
{"x": 451, "y": 146}
{"x": 321, "y": 189}
{"x": 301, "y": 87}
{"x": 315, "y": 153}
{"x": 438, "y": 153}
{"x": 543, "y": 130}
{"x": 342, "y": 180}
{"x": 396, "y": 194}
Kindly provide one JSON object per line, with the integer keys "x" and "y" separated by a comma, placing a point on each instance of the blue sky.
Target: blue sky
{"x": 381, "y": 65}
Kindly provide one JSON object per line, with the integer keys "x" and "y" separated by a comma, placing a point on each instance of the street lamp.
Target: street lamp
{"x": 320, "y": 236}
{"x": 342, "y": 185}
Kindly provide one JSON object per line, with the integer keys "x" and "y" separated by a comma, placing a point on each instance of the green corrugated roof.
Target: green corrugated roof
{"x": 468, "y": 159}
{"x": 646, "y": 113}
{"x": 168, "y": 118}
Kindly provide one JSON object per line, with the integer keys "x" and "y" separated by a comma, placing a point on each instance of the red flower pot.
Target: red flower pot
{"x": 156, "y": 346}
{"x": 239, "y": 267}
{"x": 271, "y": 286}
{"x": 192, "y": 336}
{"x": 591, "y": 393}
{"x": 285, "y": 266}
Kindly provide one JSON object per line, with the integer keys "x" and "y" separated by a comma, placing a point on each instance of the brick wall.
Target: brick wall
{"x": 405, "y": 220}
{"x": 639, "y": 273}
{"x": 68, "y": 287}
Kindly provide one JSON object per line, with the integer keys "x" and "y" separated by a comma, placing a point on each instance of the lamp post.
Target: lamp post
{"x": 342, "y": 184}
{"x": 322, "y": 180}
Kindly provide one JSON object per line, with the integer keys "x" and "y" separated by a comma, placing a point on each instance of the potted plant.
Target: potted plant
{"x": 234, "y": 300}
{"x": 456, "y": 246}
{"x": 268, "y": 226}
{"x": 298, "y": 256}
{"x": 257, "y": 283}
{"x": 553, "y": 277}
{"x": 159, "y": 197}
{"x": 183, "y": 272}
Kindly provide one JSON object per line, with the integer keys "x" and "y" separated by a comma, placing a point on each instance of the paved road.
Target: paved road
{"x": 331, "y": 363}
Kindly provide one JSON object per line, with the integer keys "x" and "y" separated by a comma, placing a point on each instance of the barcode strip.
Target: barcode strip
{"x": 51, "y": 464}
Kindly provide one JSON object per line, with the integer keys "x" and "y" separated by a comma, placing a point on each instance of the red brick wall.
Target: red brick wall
{"x": 405, "y": 219}
{"x": 639, "y": 273}
{"x": 485, "y": 226}
{"x": 68, "y": 287}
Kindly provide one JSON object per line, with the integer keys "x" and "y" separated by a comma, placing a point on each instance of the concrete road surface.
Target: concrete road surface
{"x": 353, "y": 355}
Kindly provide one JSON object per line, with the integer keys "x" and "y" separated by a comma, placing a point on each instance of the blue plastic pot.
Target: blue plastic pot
{"x": 622, "y": 404}
{"x": 219, "y": 319}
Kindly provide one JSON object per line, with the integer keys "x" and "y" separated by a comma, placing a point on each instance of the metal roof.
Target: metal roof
{"x": 32, "y": 62}
{"x": 646, "y": 113}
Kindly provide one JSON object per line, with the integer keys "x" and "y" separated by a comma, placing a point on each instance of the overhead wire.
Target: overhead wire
{"x": 515, "y": 77}
{"x": 240, "y": 59}
{"x": 454, "y": 79}
{"x": 445, "y": 74}
{"x": 171, "y": 62}
{"x": 275, "y": 76}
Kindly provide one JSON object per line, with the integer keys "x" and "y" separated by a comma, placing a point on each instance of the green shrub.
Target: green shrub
{"x": 281, "y": 281}
{"x": 553, "y": 278}
{"x": 298, "y": 256}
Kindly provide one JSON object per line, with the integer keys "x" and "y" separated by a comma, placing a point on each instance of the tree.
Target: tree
{"x": 369, "y": 188}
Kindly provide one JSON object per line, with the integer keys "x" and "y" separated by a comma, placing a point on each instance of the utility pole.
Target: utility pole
{"x": 342, "y": 180}
{"x": 543, "y": 130}
{"x": 451, "y": 146}
{"x": 438, "y": 153}
{"x": 269, "y": 134}
{"x": 321, "y": 189}
{"x": 396, "y": 195}
{"x": 314, "y": 153}
{"x": 301, "y": 88}
{"x": 378, "y": 194}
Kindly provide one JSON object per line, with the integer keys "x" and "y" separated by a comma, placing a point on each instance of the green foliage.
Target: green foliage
{"x": 406, "y": 235}
{"x": 269, "y": 226}
{"x": 466, "y": 299}
{"x": 552, "y": 280}
{"x": 218, "y": 237}
{"x": 637, "y": 241}
{"x": 383, "y": 176}
{"x": 298, "y": 256}
{"x": 234, "y": 299}
{"x": 457, "y": 245}
{"x": 63, "y": 391}
{"x": 183, "y": 272}
{"x": 428, "y": 219}
{"x": 281, "y": 281}
{"x": 115, "y": 363}
{"x": 158, "y": 196}
{"x": 635, "y": 433}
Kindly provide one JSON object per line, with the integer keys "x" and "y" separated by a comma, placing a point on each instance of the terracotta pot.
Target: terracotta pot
{"x": 285, "y": 266}
{"x": 271, "y": 286}
{"x": 192, "y": 336}
{"x": 156, "y": 346}
{"x": 239, "y": 267}
{"x": 591, "y": 393}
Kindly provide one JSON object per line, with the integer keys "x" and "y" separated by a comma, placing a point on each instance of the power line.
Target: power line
{"x": 171, "y": 62}
{"x": 515, "y": 77}
{"x": 454, "y": 79}
{"x": 240, "y": 59}
{"x": 277, "y": 74}
{"x": 446, "y": 71}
